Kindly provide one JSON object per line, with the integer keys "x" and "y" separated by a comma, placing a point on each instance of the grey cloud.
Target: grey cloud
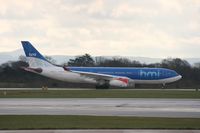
{"x": 105, "y": 26}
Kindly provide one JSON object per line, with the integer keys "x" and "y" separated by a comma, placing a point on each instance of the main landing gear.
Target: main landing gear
{"x": 103, "y": 85}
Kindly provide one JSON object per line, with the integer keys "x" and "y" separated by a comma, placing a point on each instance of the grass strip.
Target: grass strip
{"x": 99, "y": 94}
{"x": 12, "y": 122}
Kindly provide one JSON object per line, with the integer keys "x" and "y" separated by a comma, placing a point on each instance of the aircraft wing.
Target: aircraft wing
{"x": 96, "y": 76}
{"x": 113, "y": 80}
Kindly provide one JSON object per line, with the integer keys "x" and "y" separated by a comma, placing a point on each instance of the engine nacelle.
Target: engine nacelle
{"x": 119, "y": 82}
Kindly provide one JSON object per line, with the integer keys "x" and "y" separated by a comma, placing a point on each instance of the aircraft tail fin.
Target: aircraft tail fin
{"x": 35, "y": 59}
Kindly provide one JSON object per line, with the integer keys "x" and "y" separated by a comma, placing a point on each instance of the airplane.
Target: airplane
{"x": 102, "y": 77}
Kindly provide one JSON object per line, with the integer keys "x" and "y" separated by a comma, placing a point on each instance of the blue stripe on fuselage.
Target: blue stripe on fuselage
{"x": 132, "y": 73}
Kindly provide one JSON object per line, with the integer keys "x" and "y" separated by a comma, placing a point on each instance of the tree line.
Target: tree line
{"x": 11, "y": 74}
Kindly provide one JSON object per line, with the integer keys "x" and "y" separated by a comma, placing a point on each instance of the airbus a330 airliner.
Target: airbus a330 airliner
{"x": 102, "y": 77}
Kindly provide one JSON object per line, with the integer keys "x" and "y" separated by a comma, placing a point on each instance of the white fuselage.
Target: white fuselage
{"x": 59, "y": 73}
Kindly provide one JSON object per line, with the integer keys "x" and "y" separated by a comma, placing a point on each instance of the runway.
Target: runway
{"x": 174, "y": 89}
{"x": 180, "y": 108}
{"x": 101, "y": 131}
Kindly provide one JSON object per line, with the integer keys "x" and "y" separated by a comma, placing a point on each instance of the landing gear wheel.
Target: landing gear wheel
{"x": 104, "y": 86}
{"x": 163, "y": 86}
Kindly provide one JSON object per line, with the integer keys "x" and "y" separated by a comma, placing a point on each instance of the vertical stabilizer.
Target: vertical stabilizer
{"x": 35, "y": 59}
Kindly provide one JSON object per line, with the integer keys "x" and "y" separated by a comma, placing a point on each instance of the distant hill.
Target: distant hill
{"x": 14, "y": 56}
{"x": 10, "y": 56}
{"x": 60, "y": 59}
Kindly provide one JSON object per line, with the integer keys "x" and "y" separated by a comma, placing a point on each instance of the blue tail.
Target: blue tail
{"x": 35, "y": 59}
{"x": 30, "y": 51}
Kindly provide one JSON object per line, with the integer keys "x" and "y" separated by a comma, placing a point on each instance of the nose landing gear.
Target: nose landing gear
{"x": 163, "y": 86}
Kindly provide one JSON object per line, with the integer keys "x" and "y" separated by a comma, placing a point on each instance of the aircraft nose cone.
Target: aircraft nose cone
{"x": 179, "y": 77}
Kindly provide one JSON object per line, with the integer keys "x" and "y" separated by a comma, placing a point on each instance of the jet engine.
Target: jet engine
{"x": 119, "y": 82}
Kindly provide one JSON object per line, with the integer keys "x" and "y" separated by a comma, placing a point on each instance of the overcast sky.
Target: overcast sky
{"x": 150, "y": 28}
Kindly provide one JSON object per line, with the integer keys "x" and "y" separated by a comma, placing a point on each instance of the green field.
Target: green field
{"x": 94, "y": 122}
{"x": 99, "y": 94}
